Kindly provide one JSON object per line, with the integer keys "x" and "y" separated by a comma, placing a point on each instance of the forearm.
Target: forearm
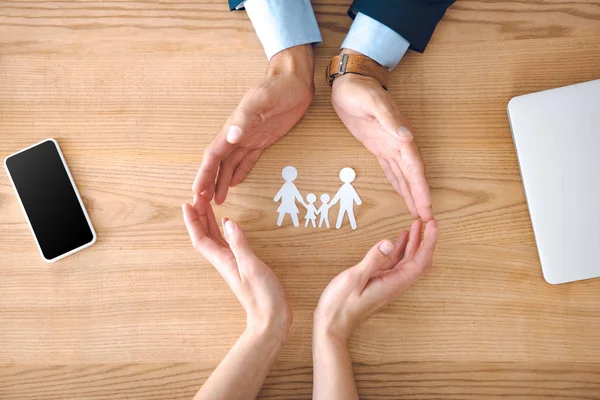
{"x": 333, "y": 376}
{"x": 244, "y": 369}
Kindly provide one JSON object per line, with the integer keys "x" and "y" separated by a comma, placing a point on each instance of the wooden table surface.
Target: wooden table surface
{"x": 134, "y": 90}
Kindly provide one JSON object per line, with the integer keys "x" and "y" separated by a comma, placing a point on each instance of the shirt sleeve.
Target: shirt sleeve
{"x": 375, "y": 40}
{"x": 281, "y": 24}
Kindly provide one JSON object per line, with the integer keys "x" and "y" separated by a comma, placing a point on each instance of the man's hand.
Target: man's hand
{"x": 252, "y": 281}
{"x": 371, "y": 115}
{"x": 265, "y": 113}
{"x": 381, "y": 277}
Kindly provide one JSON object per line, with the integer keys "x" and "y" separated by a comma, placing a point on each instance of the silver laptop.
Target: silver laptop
{"x": 557, "y": 138}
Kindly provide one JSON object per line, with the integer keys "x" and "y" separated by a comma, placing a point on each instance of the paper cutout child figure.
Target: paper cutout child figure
{"x": 346, "y": 196}
{"x": 289, "y": 194}
{"x": 311, "y": 210}
{"x": 324, "y": 210}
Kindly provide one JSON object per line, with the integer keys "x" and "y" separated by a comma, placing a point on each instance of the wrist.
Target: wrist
{"x": 329, "y": 334}
{"x": 325, "y": 341}
{"x": 356, "y": 78}
{"x": 351, "y": 63}
{"x": 274, "y": 328}
{"x": 298, "y": 61}
{"x": 268, "y": 337}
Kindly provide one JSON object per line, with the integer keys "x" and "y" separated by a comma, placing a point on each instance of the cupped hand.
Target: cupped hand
{"x": 254, "y": 284}
{"x": 381, "y": 277}
{"x": 265, "y": 113}
{"x": 371, "y": 115}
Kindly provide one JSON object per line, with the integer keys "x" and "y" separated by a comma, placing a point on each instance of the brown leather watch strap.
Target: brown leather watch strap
{"x": 356, "y": 64}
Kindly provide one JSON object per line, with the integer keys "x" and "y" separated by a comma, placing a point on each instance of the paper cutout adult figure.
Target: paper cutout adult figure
{"x": 324, "y": 210}
{"x": 288, "y": 194}
{"x": 311, "y": 210}
{"x": 346, "y": 196}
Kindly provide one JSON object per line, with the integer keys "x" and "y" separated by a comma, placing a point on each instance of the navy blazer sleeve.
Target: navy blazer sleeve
{"x": 414, "y": 20}
{"x": 234, "y": 3}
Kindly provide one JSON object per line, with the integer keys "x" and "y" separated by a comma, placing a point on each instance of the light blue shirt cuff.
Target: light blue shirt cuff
{"x": 375, "y": 40}
{"x": 281, "y": 24}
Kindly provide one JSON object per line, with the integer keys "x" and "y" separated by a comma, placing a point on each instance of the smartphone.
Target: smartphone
{"x": 56, "y": 215}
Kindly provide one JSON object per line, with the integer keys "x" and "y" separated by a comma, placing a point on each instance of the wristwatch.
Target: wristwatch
{"x": 356, "y": 64}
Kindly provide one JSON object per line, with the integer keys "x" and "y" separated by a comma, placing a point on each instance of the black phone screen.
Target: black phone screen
{"x": 49, "y": 199}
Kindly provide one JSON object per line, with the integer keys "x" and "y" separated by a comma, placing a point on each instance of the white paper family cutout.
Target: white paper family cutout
{"x": 289, "y": 194}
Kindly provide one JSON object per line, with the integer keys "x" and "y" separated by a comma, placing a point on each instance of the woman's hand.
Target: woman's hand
{"x": 371, "y": 115}
{"x": 268, "y": 316}
{"x": 265, "y": 113}
{"x": 357, "y": 293}
{"x": 252, "y": 281}
{"x": 381, "y": 277}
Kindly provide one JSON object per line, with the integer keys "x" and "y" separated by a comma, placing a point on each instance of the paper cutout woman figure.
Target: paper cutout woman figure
{"x": 347, "y": 196}
{"x": 324, "y": 210}
{"x": 289, "y": 194}
{"x": 311, "y": 210}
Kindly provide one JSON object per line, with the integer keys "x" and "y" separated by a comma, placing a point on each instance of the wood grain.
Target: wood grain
{"x": 134, "y": 90}
{"x": 292, "y": 380}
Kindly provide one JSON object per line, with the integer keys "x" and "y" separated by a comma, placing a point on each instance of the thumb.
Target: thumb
{"x": 246, "y": 116}
{"x": 392, "y": 120}
{"x": 375, "y": 260}
{"x": 238, "y": 242}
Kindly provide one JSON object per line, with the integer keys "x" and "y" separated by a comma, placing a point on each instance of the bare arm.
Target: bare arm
{"x": 244, "y": 369}
{"x": 333, "y": 376}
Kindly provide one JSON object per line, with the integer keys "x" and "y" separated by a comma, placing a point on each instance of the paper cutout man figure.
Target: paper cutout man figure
{"x": 311, "y": 210}
{"x": 324, "y": 210}
{"x": 346, "y": 196}
{"x": 289, "y": 194}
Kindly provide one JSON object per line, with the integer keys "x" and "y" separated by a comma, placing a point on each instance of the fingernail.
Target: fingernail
{"x": 404, "y": 132}
{"x": 230, "y": 227}
{"x": 234, "y": 134}
{"x": 386, "y": 248}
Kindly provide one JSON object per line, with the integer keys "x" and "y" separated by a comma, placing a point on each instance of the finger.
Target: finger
{"x": 398, "y": 252}
{"x": 245, "y": 166}
{"x": 199, "y": 236}
{"x": 209, "y": 192}
{"x": 404, "y": 187}
{"x": 388, "y": 286}
{"x": 389, "y": 174}
{"x": 238, "y": 242}
{"x": 413, "y": 168}
{"x": 225, "y": 173}
{"x": 247, "y": 115}
{"x": 414, "y": 240}
{"x": 408, "y": 198}
{"x": 203, "y": 206}
{"x": 424, "y": 255}
{"x": 375, "y": 260}
{"x": 396, "y": 281}
{"x": 223, "y": 222}
{"x": 216, "y": 152}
